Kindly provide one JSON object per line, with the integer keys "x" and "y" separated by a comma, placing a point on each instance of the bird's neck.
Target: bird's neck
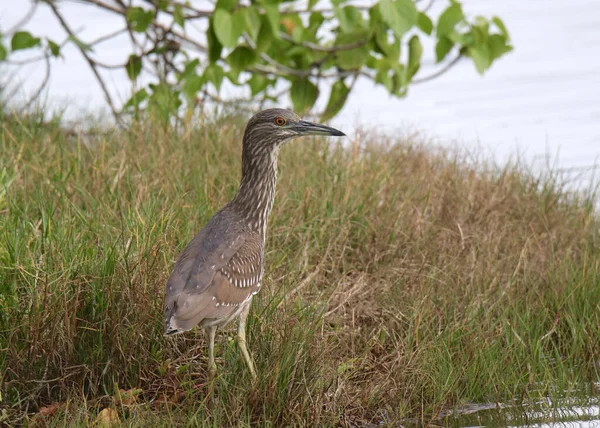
{"x": 254, "y": 199}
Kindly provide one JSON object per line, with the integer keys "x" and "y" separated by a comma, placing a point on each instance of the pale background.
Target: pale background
{"x": 540, "y": 100}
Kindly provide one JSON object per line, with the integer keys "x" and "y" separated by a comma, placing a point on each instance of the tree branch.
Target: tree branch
{"x": 106, "y": 37}
{"x": 426, "y": 8}
{"x": 25, "y": 19}
{"x": 196, "y": 13}
{"x": 167, "y": 30}
{"x": 90, "y": 61}
{"x": 317, "y": 48}
{"x": 277, "y": 69}
{"x": 44, "y": 83}
{"x": 320, "y": 10}
{"x": 439, "y": 72}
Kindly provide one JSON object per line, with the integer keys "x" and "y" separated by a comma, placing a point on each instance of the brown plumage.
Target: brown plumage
{"x": 219, "y": 271}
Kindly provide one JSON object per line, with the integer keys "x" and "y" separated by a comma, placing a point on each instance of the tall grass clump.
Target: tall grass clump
{"x": 401, "y": 280}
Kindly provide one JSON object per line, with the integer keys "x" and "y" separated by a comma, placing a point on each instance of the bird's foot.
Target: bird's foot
{"x": 247, "y": 357}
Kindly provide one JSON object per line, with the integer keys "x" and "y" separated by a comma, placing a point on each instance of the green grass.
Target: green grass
{"x": 401, "y": 281}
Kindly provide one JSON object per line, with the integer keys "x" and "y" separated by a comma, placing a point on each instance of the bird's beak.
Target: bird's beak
{"x": 308, "y": 128}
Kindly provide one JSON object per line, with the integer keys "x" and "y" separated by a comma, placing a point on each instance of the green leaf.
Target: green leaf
{"x": 253, "y": 22}
{"x": 463, "y": 39}
{"x": 226, "y": 5}
{"x": 372, "y": 62}
{"x": 241, "y": 58}
{"x": 295, "y": 52}
{"x": 442, "y": 47}
{"x": 214, "y": 46}
{"x": 136, "y": 98}
{"x": 133, "y": 67}
{"x": 349, "y": 17}
{"x": 54, "y": 48}
{"x": 293, "y": 26}
{"x": 352, "y": 59}
{"x": 481, "y": 57}
{"x": 415, "y": 52}
{"x": 314, "y": 23}
{"x": 238, "y": 20}
{"x": 398, "y": 89}
{"x": 80, "y": 44}
{"x": 498, "y": 46}
{"x": 302, "y": 58}
{"x": 498, "y": 22}
{"x": 214, "y": 74}
{"x": 189, "y": 69}
{"x": 375, "y": 16}
{"x": 258, "y": 83}
{"x": 482, "y": 24}
{"x": 162, "y": 5}
{"x": 381, "y": 36}
{"x": 192, "y": 85}
{"x": 304, "y": 93}
{"x": 383, "y": 45}
{"x": 265, "y": 36}
{"x": 23, "y": 40}
{"x": 312, "y": 3}
{"x": 480, "y": 33}
{"x": 178, "y": 16}
{"x": 139, "y": 18}
{"x": 399, "y": 15}
{"x": 383, "y": 77}
{"x": 424, "y": 23}
{"x": 223, "y": 25}
{"x": 272, "y": 13}
{"x": 164, "y": 102}
{"x": 233, "y": 77}
{"x": 448, "y": 19}
{"x": 3, "y": 52}
{"x": 337, "y": 99}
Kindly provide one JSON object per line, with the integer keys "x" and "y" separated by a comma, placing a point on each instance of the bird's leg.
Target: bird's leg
{"x": 241, "y": 339}
{"x": 212, "y": 367}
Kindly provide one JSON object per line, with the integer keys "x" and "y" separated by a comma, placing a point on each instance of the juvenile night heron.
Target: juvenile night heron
{"x": 219, "y": 271}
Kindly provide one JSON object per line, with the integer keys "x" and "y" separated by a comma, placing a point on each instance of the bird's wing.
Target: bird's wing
{"x": 216, "y": 273}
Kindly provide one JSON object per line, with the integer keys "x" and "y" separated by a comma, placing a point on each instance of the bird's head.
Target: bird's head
{"x": 274, "y": 126}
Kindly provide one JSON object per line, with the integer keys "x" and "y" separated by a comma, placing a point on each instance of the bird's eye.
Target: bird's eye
{"x": 279, "y": 121}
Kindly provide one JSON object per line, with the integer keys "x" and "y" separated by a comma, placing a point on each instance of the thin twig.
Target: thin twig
{"x": 278, "y": 70}
{"x": 177, "y": 34}
{"x": 426, "y": 8}
{"x": 321, "y": 10}
{"x": 439, "y": 72}
{"x": 24, "y": 20}
{"x": 89, "y": 60}
{"x": 107, "y": 37}
{"x": 196, "y": 13}
{"x": 26, "y": 61}
{"x": 318, "y": 48}
{"x": 44, "y": 83}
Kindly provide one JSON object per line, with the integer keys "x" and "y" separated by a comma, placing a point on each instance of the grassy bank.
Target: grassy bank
{"x": 400, "y": 281}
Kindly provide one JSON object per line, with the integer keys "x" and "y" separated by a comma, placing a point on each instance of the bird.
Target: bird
{"x": 221, "y": 269}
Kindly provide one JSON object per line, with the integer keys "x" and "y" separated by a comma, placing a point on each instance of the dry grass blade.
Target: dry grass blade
{"x": 417, "y": 281}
